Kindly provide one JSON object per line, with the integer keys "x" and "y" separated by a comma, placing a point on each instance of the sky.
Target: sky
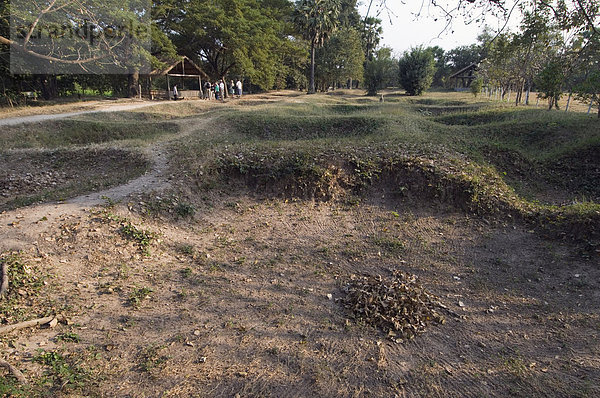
{"x": 402, "y": 29}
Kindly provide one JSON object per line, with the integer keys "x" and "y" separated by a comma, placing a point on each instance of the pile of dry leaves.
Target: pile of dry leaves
{"x": 398, "y": 306}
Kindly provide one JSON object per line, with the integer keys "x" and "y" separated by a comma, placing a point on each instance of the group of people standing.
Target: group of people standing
{"x": 216, "y": 91}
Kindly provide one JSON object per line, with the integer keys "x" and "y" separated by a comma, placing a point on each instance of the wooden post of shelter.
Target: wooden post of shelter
{"x": 182, "y": 74}
{"x": 168, "y": 88}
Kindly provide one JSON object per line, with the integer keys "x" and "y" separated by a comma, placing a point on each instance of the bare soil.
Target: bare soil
{"x": 245, "y": 297}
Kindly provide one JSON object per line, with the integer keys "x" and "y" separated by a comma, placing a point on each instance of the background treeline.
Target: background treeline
{"x": 325, "y": 44}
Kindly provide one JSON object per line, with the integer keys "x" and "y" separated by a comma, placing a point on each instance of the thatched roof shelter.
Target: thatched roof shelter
{"x": 182, "y": 69}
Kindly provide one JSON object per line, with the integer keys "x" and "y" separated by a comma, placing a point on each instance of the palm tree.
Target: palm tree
{"x": 316, "y": 19}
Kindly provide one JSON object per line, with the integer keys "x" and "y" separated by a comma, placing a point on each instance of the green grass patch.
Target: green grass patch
{"x": 62, "y": 373}
{"x": 275, "y": 127}
{"x": 71, "y": 132}
{"x": 138, "y": 295}
{"x": 142, "y": 237}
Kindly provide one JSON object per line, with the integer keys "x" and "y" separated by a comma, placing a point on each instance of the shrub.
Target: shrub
{"x": 417, "y": 68}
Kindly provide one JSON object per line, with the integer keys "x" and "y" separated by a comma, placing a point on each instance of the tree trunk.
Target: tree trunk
{"x": 568, "y": 102}
{"x": 49, "y": 90}
{"x": 225, "y": 93}
{"x": 311, "y": 89}
{"x": 133, "y": 80}
{"x": 4, "y": 277}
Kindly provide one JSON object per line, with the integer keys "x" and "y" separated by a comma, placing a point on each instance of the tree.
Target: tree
{"x": 371, "y": 35}
{"x": 534, "y": 45}
{"x": 442, "y": 69}
{"x": 476, "y": 86}
{"x": 341, "y": 58}
{"x": 463, "y": 56}
{"x": 589, "y": 90}
{"x": 417, "y": 68}
{"x": 588, "y": 87}
{"x": 550, "y": 81}
{"x": 379, "y": 70}
{"x": 248, "y": 38}
{"x": 316, "y": 20}
{"x": 78, "y": 36}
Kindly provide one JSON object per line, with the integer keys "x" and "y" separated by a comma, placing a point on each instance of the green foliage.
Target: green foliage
{"x": 246, "y": 38}
{"x": 10, "y": 387}
{"x": 371, "y": 35}
{"x": 68, "y": 337}
{"x": 589, "y": 89}
{"x": 476, "y": 86}
{"x": 417, "y": 68}
{"x": 143, "y": 238}
{"x": 341, "y": 58}
{"x": 184, "y": 210}
{"x": 463, "y": 56}
{"x": 138, "y": 295}
{"x": 316, "y": 20}
{"x": 550, "y": 81}
{"x": 20, "y": 274}
{"x": 390, "y": 244}
{"x": 379, "y": 71}
{"x": 62, "y": 372}
{"x": 151, "y": 359}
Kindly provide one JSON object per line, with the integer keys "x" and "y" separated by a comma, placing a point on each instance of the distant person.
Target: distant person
{"x": 238, "y": 88}
{"x": 175, "y": 93}
{"x": 207, "y": 90}
{"x": 217, "y": 90}
{"x": 231, "y": 88}
{"x": 222, "y": 90}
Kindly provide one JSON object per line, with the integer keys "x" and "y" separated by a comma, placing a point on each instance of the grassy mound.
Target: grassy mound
{"x": 303, "y": 128}
{"x": 71, "y": 132}
{"x": 509, "y": 167}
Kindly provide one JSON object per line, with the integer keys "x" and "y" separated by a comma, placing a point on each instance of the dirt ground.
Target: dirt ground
{"x": 245, "y": 298}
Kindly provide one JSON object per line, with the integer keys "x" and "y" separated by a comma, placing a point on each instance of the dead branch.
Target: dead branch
{"x": 4, "y": 278}
{"x": 14, "y": 371}
{"x": 26, "y": 324}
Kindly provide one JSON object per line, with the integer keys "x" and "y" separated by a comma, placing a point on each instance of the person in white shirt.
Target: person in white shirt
{"x": 222, "y": 90}
{"x": 238, "y": 88}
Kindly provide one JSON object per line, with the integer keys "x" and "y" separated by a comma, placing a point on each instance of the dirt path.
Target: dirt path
{"x": 11, "y": 121}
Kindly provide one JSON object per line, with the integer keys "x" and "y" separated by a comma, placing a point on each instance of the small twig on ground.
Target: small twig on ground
{"x": 14, "y": 371}
{"x": 4, "y": 278}
{"x": 26, "y": 324}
